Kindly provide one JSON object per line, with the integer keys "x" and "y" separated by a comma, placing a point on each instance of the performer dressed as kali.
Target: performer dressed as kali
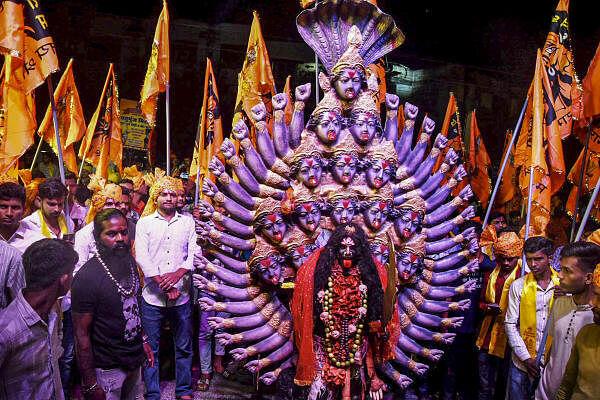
{"x": 337, "y": 314}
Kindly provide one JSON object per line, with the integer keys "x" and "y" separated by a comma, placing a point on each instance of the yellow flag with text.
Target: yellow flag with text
{"x": 102, "y": 142}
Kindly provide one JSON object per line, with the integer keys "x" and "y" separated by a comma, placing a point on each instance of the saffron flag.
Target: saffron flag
{"x": 157, "y": 74}
{"x": 102, "y": 141}
{"x": 540, "y": 147}
{"x": 17, "y": 114}
{"x": 71, "y": 121}
{"x": 508, "y": 186}
{"x": 255, "y": 81}
{"x": 452, "y": 129}
{"x": 478, "y": 163}
{"x": 378, "y": 69}
{"x": 210, "y": 130}
{"x": 591, "y": 87}
{"x": 557, "y": 56}
{"x": 12, "y": 22}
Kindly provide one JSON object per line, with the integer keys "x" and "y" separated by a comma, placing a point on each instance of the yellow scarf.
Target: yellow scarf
{"x": 527, "y": 317}
{"x": 45, "y": 229}
{"x": 498, "y": 339}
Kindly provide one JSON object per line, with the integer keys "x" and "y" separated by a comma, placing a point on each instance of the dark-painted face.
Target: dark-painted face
{"x": 381, "y": 252}
{"x": 408, "y": 264}
{"x": 270, "y": 271}
{"x": 363, "y": 128}
{"x": 348, "y": 85}
{"x": 408, "y": 223}
{"x": 379, "y": 173}
{"x": 347, "y": 249}
{"x": 344, "y": 169}
{"x": 310, "y": 172}
{"x": 328, "y": 128}
{"x": 308, "y": 216}
{"x": 343, "y": 211}
{"x": 376, "y": 214}
{"x": 301, "y": 253}
{"x": 273, "y": 227}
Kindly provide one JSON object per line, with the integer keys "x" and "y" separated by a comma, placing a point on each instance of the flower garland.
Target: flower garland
{"x": 344, "y": 309}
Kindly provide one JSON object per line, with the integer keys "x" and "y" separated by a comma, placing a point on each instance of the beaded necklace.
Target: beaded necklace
{"x": 124, "y": 292}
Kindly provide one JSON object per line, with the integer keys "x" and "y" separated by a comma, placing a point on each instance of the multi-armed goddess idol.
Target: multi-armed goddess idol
{"x": 349, "y": 212}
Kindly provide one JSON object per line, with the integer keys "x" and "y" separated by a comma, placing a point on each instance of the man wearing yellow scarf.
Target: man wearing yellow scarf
{"x": 491, "y": 341}
{"x": 529, "y": 302}
{"x": 49, "y": 220}
{"x": 580, "y": 381}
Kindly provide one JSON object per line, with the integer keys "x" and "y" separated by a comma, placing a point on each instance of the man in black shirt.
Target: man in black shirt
{"x": 106, "y": 314}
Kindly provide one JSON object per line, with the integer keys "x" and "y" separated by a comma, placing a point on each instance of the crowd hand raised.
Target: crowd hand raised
{"x": 392, "y": 101}
{"x": 302, "y": 92}
{"x": 279, "y": 101}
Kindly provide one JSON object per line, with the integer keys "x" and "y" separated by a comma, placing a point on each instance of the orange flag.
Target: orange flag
{"x": 255, "y": 81}
{"x": 157, "y": 74}
{"x": 17, "y": 114}
{"x": 378, "y": 69}
{"x": 591, "y": 87}
{"x": 478, "y": 163}
{"x": 24, "y": 34}
{"x": 452, "y": 129}
{"x": 536, "y": 148}
{"x": 507, "y": 188}
{"x": 102, "y": 141}
{"x": 71, "y": 121}
{"x": 210, "y": 130}
{"x": 557, "y": 56}
{"x": 289, "y": 107}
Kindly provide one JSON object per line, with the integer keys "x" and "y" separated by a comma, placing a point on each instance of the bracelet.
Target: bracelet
{"x": 90, "y": 389}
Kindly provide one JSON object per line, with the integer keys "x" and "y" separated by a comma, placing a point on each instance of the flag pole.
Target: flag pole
{"x": 528, "y": 216}
{"x": 167, "y": 105}
{"x": 504, "y": 162}
{"x": 582, "y": 173}
{"x": 61, "y": 167}
{"x": 588, "y": 210}
{"x": 316, "y": 70}
{"x": 37, "y": 153}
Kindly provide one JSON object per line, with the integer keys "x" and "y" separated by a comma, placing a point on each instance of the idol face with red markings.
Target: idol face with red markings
{"x": 344, "y": 168}
{"x": 378, "y": 173}
{"x": 408, "y": 264}
{"x": 408, "y": 223}
{"x": 308, "y": 216}
{"x": 376, "y": 214}
{"x": 381, "y": 252}
{"x": 310, "y": 172}
{"x": 363, "y": 128}
{"x": 269, "y": 271}
{"x": 273, "y": 227}
{"x": 348, "y": 84}
{"x": 301, "y": 253}
{"x": 343, "y": 211}
{"x": 347, "y": 251}
{"x": 329, "y": 127}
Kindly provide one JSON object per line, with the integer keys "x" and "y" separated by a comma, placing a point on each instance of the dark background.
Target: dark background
{"x": 482, "y": 51}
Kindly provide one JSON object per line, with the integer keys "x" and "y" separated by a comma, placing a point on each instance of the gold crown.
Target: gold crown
{"x": 302, "y": 194}
{"x": 266, "y": 206}
{"x": 415, "y": 204}
{"x": 347, "y": 145}
{"x": 351, "y": 57}
{"x": 386, "y": 193}
{"x": 366, "y": 104}
{"x": 5, "y": 178}
{"x": 330, "y": 102}
{"x": 416, "y": 246}
{"x": 383, "y": 150}
{"x": 309, "y": 147}
{"x": 261, "y": 251}
{"x": 336, "y": 192}
{"x": 296, "y": 239}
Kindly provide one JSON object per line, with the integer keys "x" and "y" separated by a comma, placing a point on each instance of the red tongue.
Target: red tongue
{"x": 347, "y": 263}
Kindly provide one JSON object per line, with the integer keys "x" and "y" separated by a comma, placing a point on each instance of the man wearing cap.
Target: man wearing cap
{"x": 492, "y": 340}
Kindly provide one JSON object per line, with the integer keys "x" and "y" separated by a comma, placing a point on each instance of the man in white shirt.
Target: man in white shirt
{"x": 529, "y": 301}
{"x": 49, "y": 220}
{"x": 12, "y": 229}
{"x": 165, "y": 246}
{"x": 569, "y": 313}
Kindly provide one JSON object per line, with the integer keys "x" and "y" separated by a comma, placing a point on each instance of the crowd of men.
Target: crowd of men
{"x": 92, "y": 306}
